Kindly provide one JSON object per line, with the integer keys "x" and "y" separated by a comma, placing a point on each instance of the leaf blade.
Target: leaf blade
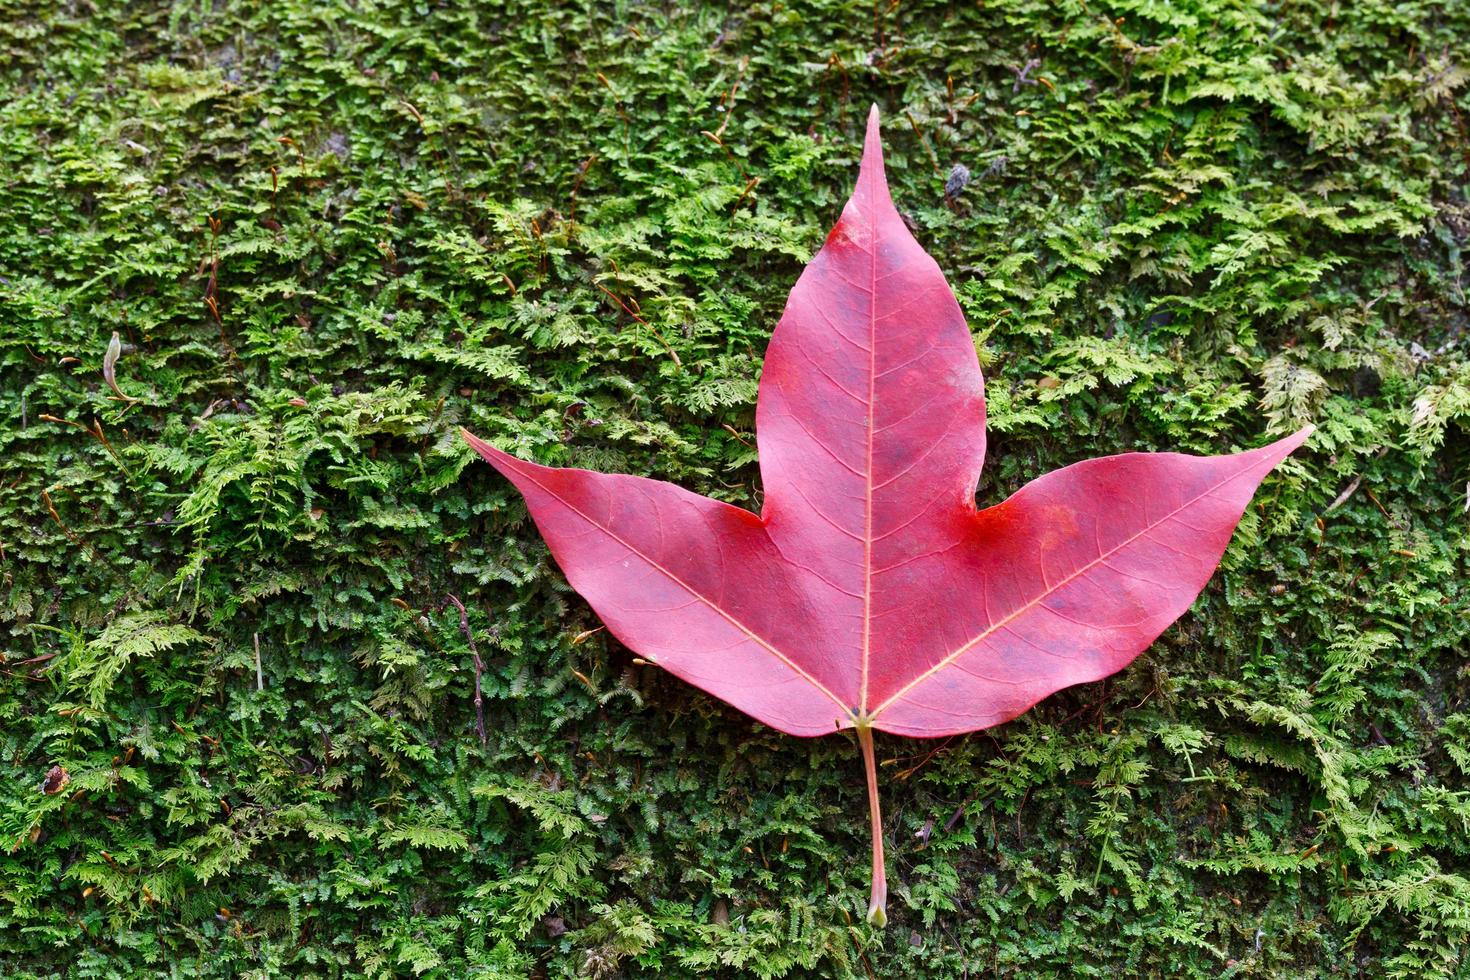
{"x": 721, "y": 633}
{"x": 1153, "y": 569}
{"x": 871, "y": 395}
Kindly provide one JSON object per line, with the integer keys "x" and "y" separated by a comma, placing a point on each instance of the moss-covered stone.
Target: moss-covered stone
{"x": 328, "y": 233}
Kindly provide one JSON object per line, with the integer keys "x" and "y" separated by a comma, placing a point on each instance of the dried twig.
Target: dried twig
{"x": 1023, "y": 76}
{"x": 464, "y": 627}
{"x": 637, "y": 316}
{"x": 1352, "y": 487}
{"x": 259, "y": 675}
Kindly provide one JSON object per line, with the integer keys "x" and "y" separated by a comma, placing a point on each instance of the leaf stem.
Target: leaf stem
{"x": 878, "y": 900}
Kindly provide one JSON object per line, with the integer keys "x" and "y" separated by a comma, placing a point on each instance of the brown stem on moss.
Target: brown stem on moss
{"x": 878, "y": 901}
{"x": 464, "y": 627}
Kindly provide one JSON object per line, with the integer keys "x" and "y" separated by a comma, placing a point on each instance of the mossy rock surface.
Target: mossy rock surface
{"x": 237, "y": 724}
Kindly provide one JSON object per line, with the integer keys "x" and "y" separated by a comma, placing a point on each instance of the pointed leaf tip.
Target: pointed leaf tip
{"x": 873, "y": 140}
{"x": 488, "y": 452}
{"x": 871, "y": 173}
{"x": 1297, "y": 438}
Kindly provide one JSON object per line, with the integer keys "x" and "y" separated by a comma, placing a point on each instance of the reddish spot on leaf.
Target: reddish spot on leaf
{"x": 870, "y": 593}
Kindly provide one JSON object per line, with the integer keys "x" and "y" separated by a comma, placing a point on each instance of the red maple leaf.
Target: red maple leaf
{"x": 870, "y": 592}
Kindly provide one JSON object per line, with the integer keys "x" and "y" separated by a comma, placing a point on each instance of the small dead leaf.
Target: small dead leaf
{"x": 55, "y": 781}
{"x": 109, "y": 368}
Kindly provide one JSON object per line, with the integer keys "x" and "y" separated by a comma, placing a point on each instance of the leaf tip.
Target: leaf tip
{"x": 873, "y": 140}
{"x": 1299, "y": 436}
{"x": 871, "y": 168}
{"x": 487, "y": 451}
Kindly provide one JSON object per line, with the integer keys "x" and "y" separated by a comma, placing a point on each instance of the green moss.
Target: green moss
{"x": 327, "y": 234}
